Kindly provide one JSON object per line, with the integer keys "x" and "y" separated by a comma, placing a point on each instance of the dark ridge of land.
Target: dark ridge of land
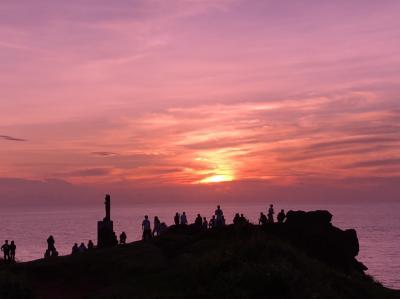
{"x": 242, "y": 261}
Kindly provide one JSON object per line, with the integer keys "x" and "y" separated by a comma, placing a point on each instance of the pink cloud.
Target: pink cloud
{"x": 175, "y": 92}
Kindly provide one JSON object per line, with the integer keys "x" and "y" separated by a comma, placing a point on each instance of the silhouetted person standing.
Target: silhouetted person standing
{"x": 271, "y": 214}
{"x": 13, "y": 248}
{"x": 90, "y": 245}
{"x": 75, "y": 249}
{"x": 198, "y": 221}
{"x": 177, "y": 218}
{"x": 205, "y": 223}
{"x": 82, "y": 248}
{"x": 157, "y": 226}
{"x": 263, "y": 219}
{"x": 50, "y": 244}
{"x": 184, "y": 219}
{"x": 281, "y": 216}
{"x": 6, "y": 251}
{"x": 219, "y": 221}
{"x": 146, "y": 228}
{"x": 122, "y": 238}
{"x": 236, "y": 219}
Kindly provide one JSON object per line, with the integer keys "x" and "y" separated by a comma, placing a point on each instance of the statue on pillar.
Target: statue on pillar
{"x": 105, "y": 229}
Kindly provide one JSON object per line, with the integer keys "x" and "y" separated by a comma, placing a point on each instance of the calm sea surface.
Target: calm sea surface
{"x": 377, "y": 225}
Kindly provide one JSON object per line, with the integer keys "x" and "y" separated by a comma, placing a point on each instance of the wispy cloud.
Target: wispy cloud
{"x": 393, "y": 162}
{"x": 10, "y": 138}
{"x": 104, "y": 154}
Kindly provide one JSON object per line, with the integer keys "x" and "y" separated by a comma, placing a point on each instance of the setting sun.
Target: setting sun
{"x": 217, "y": 179}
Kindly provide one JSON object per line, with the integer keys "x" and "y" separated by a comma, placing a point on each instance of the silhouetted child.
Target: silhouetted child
{"x": 122, "y": 238}
{"x": 90, "y": 245}
{"x": 205, "y": 223}
{"x": 6, "y": 251}
{"x": 281, "y": 216}
{"x": 184, "y": 219}
{"x": 211, "y": 224}
{"x": 271, "y": 214}
{"x": 146, "y": 228}
{"x": 176, "y": 218}
{"x": 198, "y": 221}
{"x": 263, "y": 219}
{"x": 47, "y": 254}
{"x": 13, "y": 248}
{"x": 75, "y": 249}
{"x": 156, "y": 228}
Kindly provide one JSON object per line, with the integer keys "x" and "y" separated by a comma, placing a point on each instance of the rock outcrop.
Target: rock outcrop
{"x": 314, "y": 232}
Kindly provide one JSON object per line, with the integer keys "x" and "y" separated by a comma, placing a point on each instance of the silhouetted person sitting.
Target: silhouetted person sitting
{"x": 219, "y": 221}
{"x": 243, "y": 219}
{"x": 281, "y": 216}
{"x": 90, "y": 245}
{"x": 205, "y": 223}
{"x": 6, "y": 251}
{"x": 156, "y": 228}
{"x": 177, "y": 218}
{"x": 236, "y": 219}
{"x": 122, "y": 238}
{"x": 13, "y": 248}
{"x": 184, "y": 219}
{"x": 146, "y": 228}
{"x": 163, "y": 227}
{"x": 82, "y": 248}
{"x": 114, "y": 239}
{"x": 198, "y": 221}
{"x": 211, "y": 224}
{"x": 263, "y": 219}
{"x": 271, "y": 214}
{"x": 75, "y": 249}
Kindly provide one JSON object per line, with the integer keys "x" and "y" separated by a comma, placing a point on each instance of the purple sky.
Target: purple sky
{"x": 230, "y": 99}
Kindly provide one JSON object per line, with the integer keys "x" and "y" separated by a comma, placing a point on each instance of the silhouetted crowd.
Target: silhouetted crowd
{"x": 216, "y": 220}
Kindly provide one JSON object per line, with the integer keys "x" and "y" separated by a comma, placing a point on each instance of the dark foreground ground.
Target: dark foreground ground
{"x": 232, "y": 262}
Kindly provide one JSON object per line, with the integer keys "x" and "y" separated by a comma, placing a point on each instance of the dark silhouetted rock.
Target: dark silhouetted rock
{"x": 314, "y": 232}
{"x": 313, "y": 218}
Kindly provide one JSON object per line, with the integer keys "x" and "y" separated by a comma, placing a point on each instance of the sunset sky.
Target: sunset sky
{"x": 141, "y": 98}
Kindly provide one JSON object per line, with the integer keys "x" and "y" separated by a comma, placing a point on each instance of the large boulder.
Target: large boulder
{"x": 314, "y": 232}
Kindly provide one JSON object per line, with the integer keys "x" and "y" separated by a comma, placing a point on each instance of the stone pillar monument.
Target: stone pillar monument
{"x": 105, "y": 229}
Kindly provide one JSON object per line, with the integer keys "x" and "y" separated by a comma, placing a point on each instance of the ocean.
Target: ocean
{"x": 377, "y": 226}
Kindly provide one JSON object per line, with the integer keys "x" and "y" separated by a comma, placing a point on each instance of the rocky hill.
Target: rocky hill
{"x": 306, "y": 257}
